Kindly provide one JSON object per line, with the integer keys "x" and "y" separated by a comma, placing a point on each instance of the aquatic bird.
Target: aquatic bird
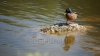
{"x": 70, "y": 16}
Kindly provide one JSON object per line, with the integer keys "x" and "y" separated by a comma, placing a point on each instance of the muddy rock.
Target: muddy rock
{"x": 52, "y": 29}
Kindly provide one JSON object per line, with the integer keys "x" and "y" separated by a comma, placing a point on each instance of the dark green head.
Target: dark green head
{"x": 68, "y": 10}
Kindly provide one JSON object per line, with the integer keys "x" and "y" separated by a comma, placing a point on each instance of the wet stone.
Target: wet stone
{"x": 63, "y": 28}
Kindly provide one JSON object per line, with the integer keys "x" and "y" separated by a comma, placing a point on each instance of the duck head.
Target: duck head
{"x": 69, "y": 10}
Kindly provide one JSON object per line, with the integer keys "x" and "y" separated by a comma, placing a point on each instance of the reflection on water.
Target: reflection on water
{"x": 37, "y": 54}
{"x": 21, "y": 21}
{"x": 69, "y": 40}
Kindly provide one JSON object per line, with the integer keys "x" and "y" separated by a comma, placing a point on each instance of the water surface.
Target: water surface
{"x": 20, "y": 23}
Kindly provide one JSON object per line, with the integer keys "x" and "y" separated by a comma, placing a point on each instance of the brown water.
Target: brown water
{"x": 20, "y": 23}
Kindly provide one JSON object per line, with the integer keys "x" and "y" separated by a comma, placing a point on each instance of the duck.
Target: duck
{"x": 70, "y": 16}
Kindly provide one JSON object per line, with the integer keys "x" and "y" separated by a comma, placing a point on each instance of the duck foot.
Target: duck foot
{"x": 71, "y": 24}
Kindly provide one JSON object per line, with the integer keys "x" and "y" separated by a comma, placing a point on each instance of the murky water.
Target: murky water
{"x": 20, "y": 23}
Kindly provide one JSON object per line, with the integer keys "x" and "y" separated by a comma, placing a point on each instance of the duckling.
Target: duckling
{"x": 70, "y": 16}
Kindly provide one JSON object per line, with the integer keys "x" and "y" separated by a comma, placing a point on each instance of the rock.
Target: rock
{"x": 55, "y": 29}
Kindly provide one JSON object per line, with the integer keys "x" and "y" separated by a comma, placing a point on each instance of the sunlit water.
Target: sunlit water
{"x": 20, "y": 23}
